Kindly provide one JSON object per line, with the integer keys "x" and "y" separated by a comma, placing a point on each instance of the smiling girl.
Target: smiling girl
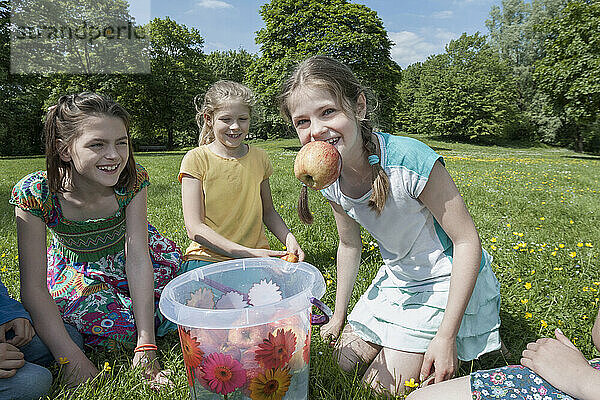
{"x": 105, "y": 263}
{"x": 225, "y": 187}
{"x": 435, "y": 298}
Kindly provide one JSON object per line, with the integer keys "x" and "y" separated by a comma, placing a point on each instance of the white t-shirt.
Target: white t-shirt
{"x": 415, "y": 249}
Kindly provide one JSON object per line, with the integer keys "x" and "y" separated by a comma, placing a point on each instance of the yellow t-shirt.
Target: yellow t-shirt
{"x": 232, "y": 202}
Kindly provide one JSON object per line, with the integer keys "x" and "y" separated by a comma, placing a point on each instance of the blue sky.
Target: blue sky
{"x": 418, "y": 28}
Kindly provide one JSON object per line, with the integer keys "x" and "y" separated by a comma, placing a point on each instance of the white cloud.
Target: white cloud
{"x": 412, "y": 47}
{"x": 213, "y": 4}
{"x": 443, "y": 14}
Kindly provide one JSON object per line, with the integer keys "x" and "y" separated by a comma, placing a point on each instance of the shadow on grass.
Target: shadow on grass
{"x": 32, "y": 157}
{"x": 292, "y": 148}
{"x": 159, "y": 153}
{"x": 584, "y": 157}
{"x": 487, "y": 141}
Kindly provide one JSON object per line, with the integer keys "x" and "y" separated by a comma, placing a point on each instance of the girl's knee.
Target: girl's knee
{"x": 353, "y": 352}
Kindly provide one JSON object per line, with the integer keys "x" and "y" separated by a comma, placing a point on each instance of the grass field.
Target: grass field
{"x": 536, "y": 209}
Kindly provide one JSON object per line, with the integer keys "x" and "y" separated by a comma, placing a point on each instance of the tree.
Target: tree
{"x": 297, "y": 29}
{"x": 467, "y": 91}
{"x": 230, "y": 65}
{"x": 570, "y": 72}
{"x": 163, "y": 101}
{"x": 516, "y": 31}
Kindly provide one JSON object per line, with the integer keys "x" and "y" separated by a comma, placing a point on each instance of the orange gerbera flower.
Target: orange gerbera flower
{"x": 192, "y": 355}
{"x": 272, "y": 385}
{"x": 276, "y": 351}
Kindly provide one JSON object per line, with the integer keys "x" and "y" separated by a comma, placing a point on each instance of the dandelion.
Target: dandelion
{"x": 572, "y": 254}
{"x": 524, "y": 301}
{"x": 584, "y": 317}
{"x": 544, "y": 324}
{"x": 528, "y": 315}
{"x": 411, "y": 383}
{"x": 542, "y": 219}
{"x": 63, "y": 360}
{"x": 493, "y": 247}
{"x": 527, "y": 285}
{"x": 579, "y": 244}
{"x": 508, "y": 225}
{"x": 571, "y": 221}
{"x": 588, "y": 244}
{"x": 493, "y": 240}
{"x": 106, "y": 367}
{"x": 561, "y": 245}
{"x": 272, "y": 385}
{"x": 553, "y": 253}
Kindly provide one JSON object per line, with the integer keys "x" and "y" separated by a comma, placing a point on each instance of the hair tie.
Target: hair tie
{"x": 373, "y": 159}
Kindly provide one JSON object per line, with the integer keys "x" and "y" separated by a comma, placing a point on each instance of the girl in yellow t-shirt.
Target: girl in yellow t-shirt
{"x": 225, "y": 185}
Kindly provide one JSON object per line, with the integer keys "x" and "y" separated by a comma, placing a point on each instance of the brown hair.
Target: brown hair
{"x": 219, "y": 93}
{"x": 336, "y": 78}
{"x": 65, "y": 121}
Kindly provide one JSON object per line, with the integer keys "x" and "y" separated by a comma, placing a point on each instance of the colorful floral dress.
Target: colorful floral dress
{"x": 515, "y": 382}
{"x": 86, "y": 262}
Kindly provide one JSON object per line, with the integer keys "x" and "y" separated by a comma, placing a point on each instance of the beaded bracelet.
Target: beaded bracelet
{"x": 145, "y": 347}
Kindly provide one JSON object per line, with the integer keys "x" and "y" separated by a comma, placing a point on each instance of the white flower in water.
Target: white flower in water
{"x": 202, "y": 298}
{"x": 264, "y": 293}
{"x": 231, "y": 300}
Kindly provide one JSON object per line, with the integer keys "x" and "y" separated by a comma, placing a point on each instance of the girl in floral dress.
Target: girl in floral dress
{"x": 552, "y": 368}
{"x": 105, "y": 263}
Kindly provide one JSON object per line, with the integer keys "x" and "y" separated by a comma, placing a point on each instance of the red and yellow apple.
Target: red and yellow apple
{"x": 318, "y": 164}
{"x": 290, "y": 257}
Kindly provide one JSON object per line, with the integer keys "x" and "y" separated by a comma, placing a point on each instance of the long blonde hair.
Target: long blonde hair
{"x": 337, "y": 79}
{"x": 218, "y": 93}
{"x": 65, "y": 121}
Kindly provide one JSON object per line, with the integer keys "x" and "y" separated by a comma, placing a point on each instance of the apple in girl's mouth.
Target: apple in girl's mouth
{"x": 318, "y": 164}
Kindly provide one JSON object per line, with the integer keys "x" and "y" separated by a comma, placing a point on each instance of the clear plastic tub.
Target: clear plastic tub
{"x": 245, "y": 327}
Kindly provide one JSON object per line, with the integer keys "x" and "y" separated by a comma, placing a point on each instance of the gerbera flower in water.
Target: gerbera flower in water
{"x": 264, "y": 293}
{"x": 276, "y": 351}
{"x": 306, "y": 349}
{"x": 272, "y": 385}
{"x": 202, "y": 298}
{"x": 231, "y": 300}
{"x": 223, "y": 374}
{"x": 192, "y": 355}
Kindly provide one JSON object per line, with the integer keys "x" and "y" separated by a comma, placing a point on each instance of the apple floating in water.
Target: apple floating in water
{"x": 318, "y": 164}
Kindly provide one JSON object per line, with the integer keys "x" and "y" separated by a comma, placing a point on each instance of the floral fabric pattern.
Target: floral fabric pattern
{"x": 515, "y": 382}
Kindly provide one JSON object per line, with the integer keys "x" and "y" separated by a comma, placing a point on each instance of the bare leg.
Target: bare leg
{"x": 352, "y": 351}
{"x": 454, "y": 389}
{"x": 391, "y": 368}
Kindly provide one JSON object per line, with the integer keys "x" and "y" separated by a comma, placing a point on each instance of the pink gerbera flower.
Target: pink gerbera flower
{"x": 223, "y": 373}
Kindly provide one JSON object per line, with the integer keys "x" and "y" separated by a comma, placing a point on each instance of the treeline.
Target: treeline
{"x": 536, "y": 75}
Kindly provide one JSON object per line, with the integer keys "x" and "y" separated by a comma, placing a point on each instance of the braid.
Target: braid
{"x": 303, "y": 211}
{"x": 380, "y": 182}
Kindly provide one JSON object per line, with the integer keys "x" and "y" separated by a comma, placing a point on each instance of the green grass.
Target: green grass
{"x": 536, "y": 210}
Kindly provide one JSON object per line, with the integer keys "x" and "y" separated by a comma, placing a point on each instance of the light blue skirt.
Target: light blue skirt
{"x": 407, "y": 319}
